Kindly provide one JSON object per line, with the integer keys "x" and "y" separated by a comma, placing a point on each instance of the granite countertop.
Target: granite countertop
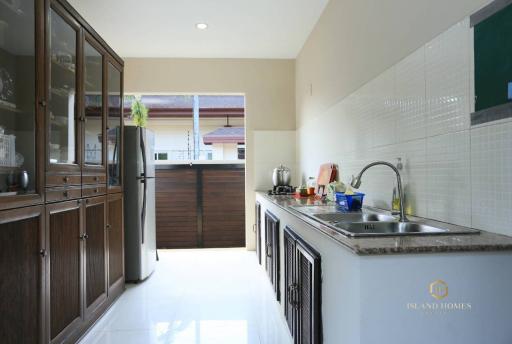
{"x": 453, "y": 242}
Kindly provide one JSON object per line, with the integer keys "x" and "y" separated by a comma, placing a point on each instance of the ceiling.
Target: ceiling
{"x": 236, "y": 28}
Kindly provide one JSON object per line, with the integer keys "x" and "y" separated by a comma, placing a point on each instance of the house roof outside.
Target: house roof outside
{"x": 181, "y": 106}
{"x": 225, "y": 135}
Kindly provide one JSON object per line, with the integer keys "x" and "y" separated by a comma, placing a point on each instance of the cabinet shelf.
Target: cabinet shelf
{"x": 7, "y": 106}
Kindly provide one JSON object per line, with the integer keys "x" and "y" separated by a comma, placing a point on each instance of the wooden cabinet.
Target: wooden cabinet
{"x": 95, "y": 254}
{"x": 57, "y": 259}
{"x": 115, "y": 231}
{"x": 22, "y": 265}
{"x": 81, "y": 89}
{"x": 302, "y": 293}
{"x": 272, "y": 264}
{"x": 257, "y": 228}
{"x": 65, "y": 237}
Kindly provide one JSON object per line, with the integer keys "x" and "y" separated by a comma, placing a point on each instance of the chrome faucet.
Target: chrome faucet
{"x": 356, "y": 183}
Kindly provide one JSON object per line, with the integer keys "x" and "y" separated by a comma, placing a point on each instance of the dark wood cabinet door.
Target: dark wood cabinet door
{"x": 93, "y": 109}
{"x": 272, "y": 251}
{"x": 114, "y": 125}
{"x": 258, "y": 231}
{"x": 65, "y": 231}
{"x": 308, "y": 279}
{"x": 21, "y": 93}
{"x": 95, "y": 254}
{"x": 63, "y": 115}
{"x": 115, "y": 232}
{"x": 22, "y": 264}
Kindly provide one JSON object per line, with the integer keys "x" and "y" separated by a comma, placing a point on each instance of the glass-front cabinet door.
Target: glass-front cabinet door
{"x": 114, "y": 125}
{"x": 62, "y": 117}
{"x": 93, "y": 156}
{"x": 18, "y": 101}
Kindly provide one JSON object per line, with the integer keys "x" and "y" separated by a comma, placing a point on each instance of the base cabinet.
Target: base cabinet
{"x": 302, "y": 292}
{"x": 272, "y": 251}
{"x": 95, "y": 254}
{"x": 81, "y": 247}
{"x": 65, "y": 232}
{"x": 115, "y": 231}
{"x": 22, "y": 266}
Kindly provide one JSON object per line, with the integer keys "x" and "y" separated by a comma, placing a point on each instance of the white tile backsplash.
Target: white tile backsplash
{"x": 491, "y": 168}
{"x": 419, "y": 110}
{"x": 449, "y": 178}
{"x": 410, "y": 94}
{"x": 447, "y": 80}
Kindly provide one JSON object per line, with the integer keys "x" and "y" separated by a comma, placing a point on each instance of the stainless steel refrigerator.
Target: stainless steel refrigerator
{"x": 139, "y": 213}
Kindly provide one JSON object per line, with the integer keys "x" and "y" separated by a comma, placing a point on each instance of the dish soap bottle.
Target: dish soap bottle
{"x": 395, "y": 201}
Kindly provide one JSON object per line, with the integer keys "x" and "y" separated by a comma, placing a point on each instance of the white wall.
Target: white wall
{"x": 419, "y": 110}
{"x": 268, "y": 86}
{"x": 356, "y": 40}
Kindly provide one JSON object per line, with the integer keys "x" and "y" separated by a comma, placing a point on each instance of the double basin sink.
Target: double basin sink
{"x": 367, "y": 223}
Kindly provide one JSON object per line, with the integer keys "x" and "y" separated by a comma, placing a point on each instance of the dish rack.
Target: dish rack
{"x": 7, "y": 150}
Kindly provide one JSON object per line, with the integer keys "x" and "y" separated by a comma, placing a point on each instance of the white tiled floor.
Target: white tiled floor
{"x": 219, "y": 296}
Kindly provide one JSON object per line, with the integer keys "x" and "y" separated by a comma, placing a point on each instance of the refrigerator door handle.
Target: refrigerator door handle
{"x": 144, "y": 201}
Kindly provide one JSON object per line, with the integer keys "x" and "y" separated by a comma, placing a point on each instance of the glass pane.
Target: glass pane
{"x": 62, "y": 91}
{"x": 221, "y": 134}
{"x": 217, "y": 132}
{"x": 17, "y": 97}
{"x": 114, "y": 125}
{"x": 93, "y": 105}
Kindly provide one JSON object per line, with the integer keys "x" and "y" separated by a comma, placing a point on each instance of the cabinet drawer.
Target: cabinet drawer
{"x": 63, "y": 179}
{"x": 94, "y": 190}
{"x": 94, "y": 179}
{"x": 63, "y": 193}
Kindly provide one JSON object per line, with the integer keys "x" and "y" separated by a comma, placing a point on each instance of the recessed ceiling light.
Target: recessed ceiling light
{"x": 201, "y": 26}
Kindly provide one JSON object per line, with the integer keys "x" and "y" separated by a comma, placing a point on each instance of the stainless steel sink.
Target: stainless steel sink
{"x": 334, "y": 218}
{"x": 370, "y": 222}
{"x": 388, "y": 228}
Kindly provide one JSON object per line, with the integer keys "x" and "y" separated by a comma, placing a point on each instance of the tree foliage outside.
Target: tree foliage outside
{"x": 139, "y": 113}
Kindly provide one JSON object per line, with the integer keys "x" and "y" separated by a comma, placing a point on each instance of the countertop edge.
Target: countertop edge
{"x": 353, "y": 246}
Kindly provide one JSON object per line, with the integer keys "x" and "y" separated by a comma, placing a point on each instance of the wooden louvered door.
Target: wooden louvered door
{"x": 272, "y": 251}
{"x": 23, "y": 258}
{"x": 303, "y": 287}
{"x": 65, "y": 230}
{"x": 95, "y": 254}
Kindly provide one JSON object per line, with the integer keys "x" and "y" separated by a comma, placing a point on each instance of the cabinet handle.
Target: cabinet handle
{"x": 84, "y": 236}
{"x": 292, "y": 289}
{"x": 96, "y": 178}
{"x": 42, "y": 253}
{"x": 65, "y": 179}
{"x": 96, "y": 190}
{"x": 65, "y": 194}
{"x": 268, "y": 250}
{"x": 42, "y": 102}
{"x": 109, "y": 227}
